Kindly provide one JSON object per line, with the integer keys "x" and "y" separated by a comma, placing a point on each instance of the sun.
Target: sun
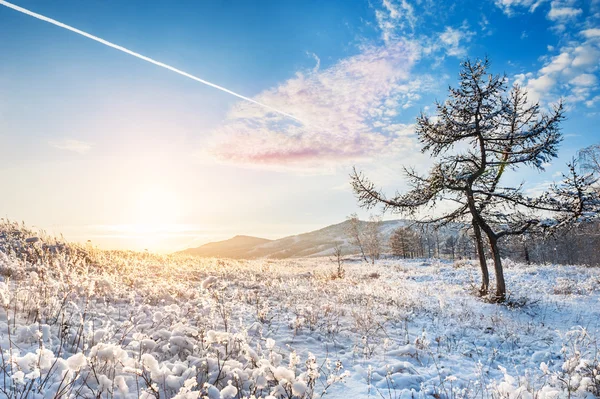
{"x": 156, "y": 207}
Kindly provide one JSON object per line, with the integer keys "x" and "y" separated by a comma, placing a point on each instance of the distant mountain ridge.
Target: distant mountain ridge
{"x": 315, "y": 243}
{"x": 236, "y": 247}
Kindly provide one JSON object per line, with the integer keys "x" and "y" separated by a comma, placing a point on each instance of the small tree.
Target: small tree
{"x": 426, "y": 240}
{"x": 373, "y": 240}
{"x": 465, "y": 243}
{"x": 366, "y": 236}
{"x": 589, "y": 159}
{"x": 404, "y": 242}
{"x": 355, "y": 235}
{"x": 450, "y": 246}
{"x": 496, "y": 129}
{"x": 338, "y": 258}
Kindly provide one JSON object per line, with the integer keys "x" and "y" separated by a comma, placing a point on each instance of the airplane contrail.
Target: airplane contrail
{"x": 142, "y": 57}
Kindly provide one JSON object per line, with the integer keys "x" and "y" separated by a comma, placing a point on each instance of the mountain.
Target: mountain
{"x": 236, "y": 247}
{"x": 315, "y": 243}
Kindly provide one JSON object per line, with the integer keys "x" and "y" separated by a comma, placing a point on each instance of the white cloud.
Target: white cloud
{"x": 538, "y": 88}
{"x": 572, "y": 74}
{"x": 521, "y": 79}
{"x": 77, "y": 146}
{"x": 451, "y": 40}
{"x": 349, "y": 108}
{"x": 585, "y": 79}
{"x": 483, "y": 22}
{"x": 394, "y": 18}
{"x": 509, "y": 6}
{"x": 543, "y": 84}
{"x": 586, "y": 55}
{"x": 559, "y": 11}
{"x": 558, "y": 63}
{"x": 590, "y": 33}
{"x": 593, "y": 101}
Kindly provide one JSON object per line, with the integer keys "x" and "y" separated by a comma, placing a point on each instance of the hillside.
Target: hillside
{"x": 235, "y": 248}
{"x": 315, "y": 243}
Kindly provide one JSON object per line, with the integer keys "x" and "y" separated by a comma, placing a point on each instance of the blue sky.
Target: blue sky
{"x": 100, "y": 145}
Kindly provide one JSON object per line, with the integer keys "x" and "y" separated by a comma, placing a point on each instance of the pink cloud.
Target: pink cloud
{"x": 292, "y": 151}
{"x": 346, "y": 108}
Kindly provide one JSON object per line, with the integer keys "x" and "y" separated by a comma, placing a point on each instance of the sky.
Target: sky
{"x": 99, "y": 145}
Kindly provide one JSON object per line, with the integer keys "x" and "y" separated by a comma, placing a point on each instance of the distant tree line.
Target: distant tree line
{"x": 576, "y": 246}
{"x": 426, "y": 242}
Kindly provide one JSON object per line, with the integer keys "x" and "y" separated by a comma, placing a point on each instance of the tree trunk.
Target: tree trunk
{"x": 500, "y": 284}
{"x": 428, "y": 246}
{"x": 362, "y": 252}
{"x": 527, "y": 258}
{"x": 485, "y": 275}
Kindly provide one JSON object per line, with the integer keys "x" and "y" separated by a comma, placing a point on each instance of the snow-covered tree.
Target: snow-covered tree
{"x": 404, "y": 242}
{"x": 366, "y": 236}
{"x": 589, "y": 159}
{"x": 450, "y": 246}
{"x": 482, "y": 130}
{"x": 355, "y": 234}
{"x": 373, "y": 240}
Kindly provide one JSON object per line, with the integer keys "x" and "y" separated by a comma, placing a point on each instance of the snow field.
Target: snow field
{"x": 128, "y": 325}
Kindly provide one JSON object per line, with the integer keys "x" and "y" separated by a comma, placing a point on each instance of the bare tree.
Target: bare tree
{"x": 450, "y": 246}
{"x": 338, "y": 258}
{"x": 498, "y": 129}
{"x": 366, "y": 236}
{"x": 404, "y": 242}
{"x": 355, "y": 235}
{"x": 373, "y": 240}
{"x": 426, "y": 240}
{"x": 589, "y": 159}
{"x": 465, "y": 243}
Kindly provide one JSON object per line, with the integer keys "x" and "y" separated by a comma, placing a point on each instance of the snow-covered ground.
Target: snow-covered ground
{"x": 125, "y": 324}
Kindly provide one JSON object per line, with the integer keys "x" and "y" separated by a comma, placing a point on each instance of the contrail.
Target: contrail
{"x": 142, "y": 57}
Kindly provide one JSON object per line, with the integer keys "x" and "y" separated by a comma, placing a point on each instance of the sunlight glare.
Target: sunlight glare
{"x": 156, "y": 208}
